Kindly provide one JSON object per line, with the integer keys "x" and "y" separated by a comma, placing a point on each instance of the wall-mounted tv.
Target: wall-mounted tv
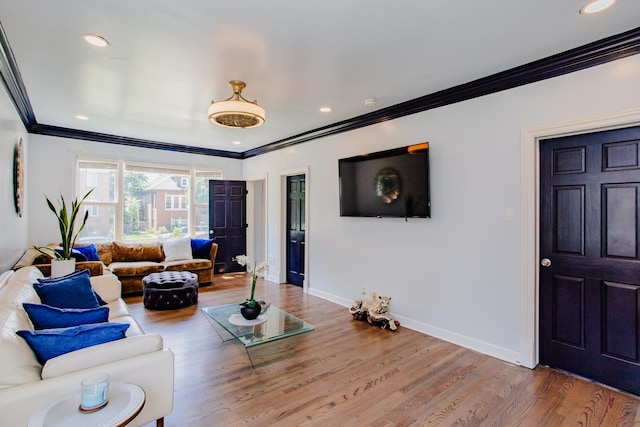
{"x": 391, "y": 183}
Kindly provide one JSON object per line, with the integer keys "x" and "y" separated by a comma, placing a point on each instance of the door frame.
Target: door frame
{"x": 530, "y": 214}
{"x": 254, "y": 217}
{"x": 303, "y": 170}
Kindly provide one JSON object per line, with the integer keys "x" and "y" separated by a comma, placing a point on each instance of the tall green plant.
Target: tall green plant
{"x": 66, "y": 223}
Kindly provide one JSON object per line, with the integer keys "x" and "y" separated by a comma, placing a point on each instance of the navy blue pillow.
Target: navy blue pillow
{"x": 90, "y": 252}
{"x": 50, "y": 343}
{"x": 67, "y": 276}
{"x": 75, "y": 254}
{"x": 71, "y": 275}
{"x": 47, "y": 317}
{"x": 201, "y": 248}
{"x": 73, "y": 291}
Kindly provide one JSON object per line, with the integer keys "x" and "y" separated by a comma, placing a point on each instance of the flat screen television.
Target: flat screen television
{"x": 391, "y": 183}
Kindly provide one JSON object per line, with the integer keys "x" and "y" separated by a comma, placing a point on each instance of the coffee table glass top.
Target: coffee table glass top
{"x": 279, "y": 324}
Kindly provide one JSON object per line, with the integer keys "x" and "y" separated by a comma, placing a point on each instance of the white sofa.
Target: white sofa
{"x": 25, "y": 385}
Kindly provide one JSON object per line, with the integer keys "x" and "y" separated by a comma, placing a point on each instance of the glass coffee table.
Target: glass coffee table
{"x": 274, "y": 335}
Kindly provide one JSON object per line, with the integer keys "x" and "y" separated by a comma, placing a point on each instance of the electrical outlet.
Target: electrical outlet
{"x": 374, "y": 295}
{"x": 364, "y": 292}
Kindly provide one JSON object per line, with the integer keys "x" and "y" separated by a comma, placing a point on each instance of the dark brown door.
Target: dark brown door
{"x": 295, "y": 229}
{"x": 227, "y": 219}
{"x": 590, "y": 263}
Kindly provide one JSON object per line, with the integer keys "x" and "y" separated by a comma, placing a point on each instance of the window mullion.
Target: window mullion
{"x": 119, "y": 203}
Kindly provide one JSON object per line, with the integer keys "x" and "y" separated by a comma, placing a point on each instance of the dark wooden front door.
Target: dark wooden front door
{"x": 227, "y": 218}
{"x": 295, "y": 229}
{"x": 590, "y": 240}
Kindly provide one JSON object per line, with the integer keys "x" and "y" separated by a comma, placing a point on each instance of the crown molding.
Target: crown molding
{"x": 586, "y": 56}
{"x": 62, "y": 132}
{"x": 13, "y": 81}
{"x": 599, "y": 52}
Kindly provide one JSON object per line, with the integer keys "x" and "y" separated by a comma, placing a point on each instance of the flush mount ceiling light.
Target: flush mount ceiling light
{"x": 235, "y": 111}
{"x": 596, "y": 6}
{"x": 95, "y": 40}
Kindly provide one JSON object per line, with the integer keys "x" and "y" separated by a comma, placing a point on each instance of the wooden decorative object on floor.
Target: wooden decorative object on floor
{"x": 375, "y": 312}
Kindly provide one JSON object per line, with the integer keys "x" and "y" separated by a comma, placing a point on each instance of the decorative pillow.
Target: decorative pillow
{"x": 201, "y": 248}
{"x": 177, "y": 249}
{"x": 49, "y": 343}
{"x": 47, "y": 317}
{"x": 72, "y": 275}
{"x": 71, "y": 291}
{"x": 90, "y": 252}
{"x": 66, "y": 276}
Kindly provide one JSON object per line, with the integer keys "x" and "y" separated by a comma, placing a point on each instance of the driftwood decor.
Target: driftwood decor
{"x": 374, "y": 312}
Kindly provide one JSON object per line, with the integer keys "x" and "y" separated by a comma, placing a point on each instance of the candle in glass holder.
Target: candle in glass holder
{"x": 94, "y": 391}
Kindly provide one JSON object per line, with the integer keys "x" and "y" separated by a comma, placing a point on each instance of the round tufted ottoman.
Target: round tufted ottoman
{"x": 169, "y": 290}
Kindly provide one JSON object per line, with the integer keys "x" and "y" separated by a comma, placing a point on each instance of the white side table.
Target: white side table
{"x": 125, "y": 403}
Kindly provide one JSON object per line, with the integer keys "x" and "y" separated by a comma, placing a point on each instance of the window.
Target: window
{"x": 94, "y": 210}
{"x": 175, "y": 202}
{"x": 138, "y": 203}
{"x": 102, "y": 202}
{"x": 201, "y": 202}
{"x": 92, "y": 179}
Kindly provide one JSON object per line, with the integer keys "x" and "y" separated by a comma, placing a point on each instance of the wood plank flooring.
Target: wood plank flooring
{"x": 348, "y": 373}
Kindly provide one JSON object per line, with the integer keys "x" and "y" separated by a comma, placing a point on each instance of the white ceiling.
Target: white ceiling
{"x": 168, "y": 59}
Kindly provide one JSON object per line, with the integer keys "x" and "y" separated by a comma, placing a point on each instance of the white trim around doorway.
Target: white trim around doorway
{"x": 303, "y": 170}
{"x": 530, "y": 210}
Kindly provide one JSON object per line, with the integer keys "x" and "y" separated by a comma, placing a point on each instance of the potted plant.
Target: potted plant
{"x": 250, "y": 308}
{"x": 62, "y": 262}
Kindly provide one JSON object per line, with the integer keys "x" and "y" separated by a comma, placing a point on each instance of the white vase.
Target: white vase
{"x": 62, "y": 267}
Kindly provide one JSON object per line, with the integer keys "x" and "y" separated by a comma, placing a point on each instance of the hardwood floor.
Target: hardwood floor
{"x": 348, "y": 373}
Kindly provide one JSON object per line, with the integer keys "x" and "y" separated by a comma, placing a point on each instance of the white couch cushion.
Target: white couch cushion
{"x": 107, "y": 286}
{"x": 15, "y": 292}
{"x": 18, "y": 364}
{"x": 101, "y": 354}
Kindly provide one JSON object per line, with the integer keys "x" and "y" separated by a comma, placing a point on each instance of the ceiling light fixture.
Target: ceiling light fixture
{"x": 325, "y": 109}
{"x": 81, "y": 117}
{"x": 95, "y": 40}
{"x": 236, "y": 111}
{"x": 596, "y": 6}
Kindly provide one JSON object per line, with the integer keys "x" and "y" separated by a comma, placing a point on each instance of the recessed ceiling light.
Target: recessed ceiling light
{"x": 596, "y": 6}
{"x": 370, "y": 102}
{"x": 81, "y": 117}
{"x": 95, "y": 40}
{"x": 325, "y": 109}
{"x": 237, "y": 143}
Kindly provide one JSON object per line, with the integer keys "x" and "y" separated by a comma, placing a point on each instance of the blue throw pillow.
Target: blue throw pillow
{"x": 90, "y": 252}
{"x": 74, "y": 291}
{"x": 49, "y": 343}
{"x": 75, "y": 254}
{"x": 47, "y": 317}
{"x": 69, "y": 276}
{"x": 201, "y": 248}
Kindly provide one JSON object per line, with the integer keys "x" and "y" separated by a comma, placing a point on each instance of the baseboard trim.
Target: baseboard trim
{"x": 443, "y": 334}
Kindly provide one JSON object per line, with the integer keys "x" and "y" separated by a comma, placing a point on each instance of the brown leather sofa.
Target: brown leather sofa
{"x": 130, "y": 262}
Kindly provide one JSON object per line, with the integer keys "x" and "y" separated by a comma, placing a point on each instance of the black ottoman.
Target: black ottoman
{"x": 169, "y": 290}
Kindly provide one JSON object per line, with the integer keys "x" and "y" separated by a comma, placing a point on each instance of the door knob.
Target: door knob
{"x": 546, "y": 262}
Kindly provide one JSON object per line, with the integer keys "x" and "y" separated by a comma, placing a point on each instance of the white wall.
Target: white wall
{"x": 52, "y": 172}
{"x": 458, "y": 274}
{"x": 13, "y": 229}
